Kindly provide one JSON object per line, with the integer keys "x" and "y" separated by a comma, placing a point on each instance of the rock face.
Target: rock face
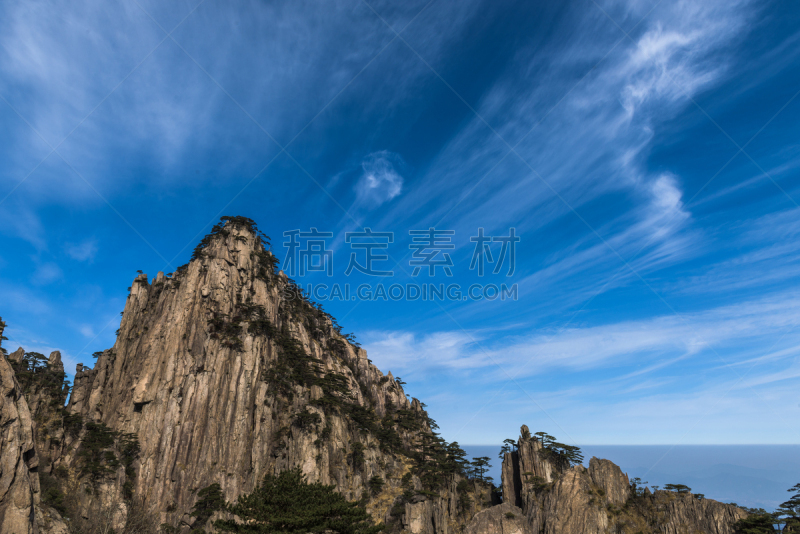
{"x": 224, "y": 375}
{"x": 679, "y": 513}
{"x": 46, "y": 393}
{"x": 19, "y": 484}
{"x": 557, "y": 498}
{"x": 20, "y": 509}
{"x": 524, "y": 467}
{"x": 504, "y": 518}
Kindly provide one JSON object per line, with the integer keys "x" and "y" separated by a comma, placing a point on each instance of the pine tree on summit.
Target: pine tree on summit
{"x": 286, "y": 504}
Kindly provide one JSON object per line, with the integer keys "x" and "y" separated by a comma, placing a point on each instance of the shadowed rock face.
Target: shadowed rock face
{"x": 558, "y": 499}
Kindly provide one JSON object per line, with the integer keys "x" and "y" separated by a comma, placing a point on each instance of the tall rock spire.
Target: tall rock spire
{"x": 224, "y": 380}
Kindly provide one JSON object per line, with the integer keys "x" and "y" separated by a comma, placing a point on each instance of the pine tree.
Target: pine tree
{"x": 680, "y": 488}
{"x": 509, "y": 445}
{"x": 790, "y": 510}
{"x": 209, "y": 500}
{"x": 481, "y": 465}
{"x": 757, "y": 522}
{"x": 287, "y": 504}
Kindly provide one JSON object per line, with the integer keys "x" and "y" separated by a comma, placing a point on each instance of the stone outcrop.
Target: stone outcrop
{"x": 46, "y": 393}
{"x": 557, "y": 498}
{"x": 524, "y": 467}
{"x": 504, "y": 518}
{"x": 679, "y": 513}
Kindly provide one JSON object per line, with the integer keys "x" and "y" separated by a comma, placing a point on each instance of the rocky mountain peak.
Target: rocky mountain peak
{"x": 218, "y": 377}
{"x": 223, "y": 380}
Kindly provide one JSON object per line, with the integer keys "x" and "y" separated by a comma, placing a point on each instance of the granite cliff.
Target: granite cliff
{"x": 223, "y": 372}
{"x": 556, "y": 497}
{"x": 221, "y": 375}
{"x": 21, "y": 509}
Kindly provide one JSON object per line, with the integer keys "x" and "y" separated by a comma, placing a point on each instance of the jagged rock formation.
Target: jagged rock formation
{"x": 679, "y": 513}
{"x": 224, "y": 372}
{"x": 222, "y": 378}
{"x": 20, "y": 508}
{"x": 557, "y": 498}
{"x": 19, "y": 487}
{"x": 46, "y": 392}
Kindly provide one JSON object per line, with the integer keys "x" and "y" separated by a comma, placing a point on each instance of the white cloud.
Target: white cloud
{"x": 738, "y": 332}
{"x": 83, "y": 251}
{"x": 589, "y": 138}
{"x": 18, "y": 220}
{"x": 380, "y": 180}
{"x": 46, "y": 273}
{"x": 87, "y": 331}
{"x": 407, "y": 352}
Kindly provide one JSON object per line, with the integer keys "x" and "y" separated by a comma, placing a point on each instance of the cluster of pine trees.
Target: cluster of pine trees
{"x": 785, "y": 519}
{"x": 558, "y": 453}
{"x": 285, "y": 503}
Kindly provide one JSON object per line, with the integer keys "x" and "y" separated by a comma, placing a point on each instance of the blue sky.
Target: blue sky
{"x": 645, "y": 152}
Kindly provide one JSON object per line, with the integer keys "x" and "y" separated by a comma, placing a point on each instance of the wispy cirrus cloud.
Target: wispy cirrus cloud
{"x": 587, "y": 132}
{"x": 733, "y": 332}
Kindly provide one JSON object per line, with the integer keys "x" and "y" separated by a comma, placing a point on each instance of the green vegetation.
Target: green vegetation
{"x": 73, "y": 424}
{"x": 680, "y": 488}
{"x": 789, "y": 511}
{"x": 559, "y": 452}
{"x": 306, "y": 419}
{"x": 209, "y": 500}
{"x": 509, "y": 445}
{"x": 51, "y": 493}
{"x": 357, "y": 455}
{"x": 479, "y": 466}
{"x": 760, "y": 522}
{"x": 222, "y": 229}
{"x": 463, "y": 490}
{"x": 399, "y": 508}
{"x": 35, "y": 376}
{"x": 637, "y": 487}
{"x": 537, "y": 483}
{"x": 103, "y": 450}
{"x": 376, "y": 484}
{"x": 227, "y": 331}
{"x": 287, "y": 503}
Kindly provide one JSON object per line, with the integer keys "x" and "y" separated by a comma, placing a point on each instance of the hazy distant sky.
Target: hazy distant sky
{"x": 645, "y": 152}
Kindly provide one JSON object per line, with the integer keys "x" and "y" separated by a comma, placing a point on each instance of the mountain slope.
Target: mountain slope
{"x": 221, "y": 380}
{"x": 220, "y": 374}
